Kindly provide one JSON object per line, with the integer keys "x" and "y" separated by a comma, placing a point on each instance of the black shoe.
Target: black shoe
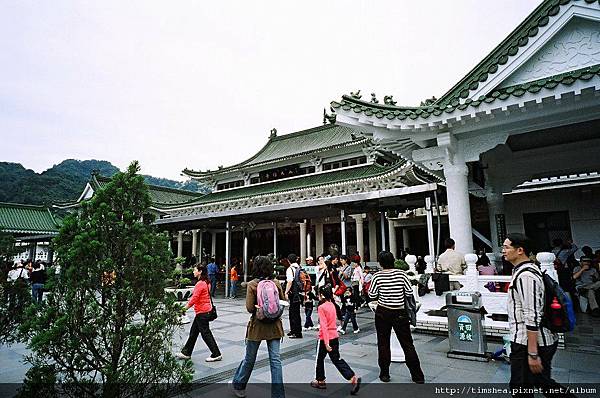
{"x": 418, "y": 381}
{"x": 355, "y": 386}
{"x": 385, "y": 379}
{"x": 596, "y": 312}
{"x": 295, "y": 336}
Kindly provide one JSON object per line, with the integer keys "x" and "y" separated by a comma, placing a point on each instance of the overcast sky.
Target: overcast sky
{"x": 198, "y": 84}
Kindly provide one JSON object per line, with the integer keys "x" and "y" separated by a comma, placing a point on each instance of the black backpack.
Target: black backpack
{"x": 559, "y": 315}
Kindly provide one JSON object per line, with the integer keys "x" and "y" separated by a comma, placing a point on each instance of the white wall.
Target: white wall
{"x": 582, "y": 203}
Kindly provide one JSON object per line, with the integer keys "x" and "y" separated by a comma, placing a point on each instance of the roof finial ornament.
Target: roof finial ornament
{"x": 328, "y": 118}
{"x": 389, "y": 100}
{"x": 356, "y": 94}
{"x": 374, "y": 99}
{"x": 429, "y": 101}
{"x": 273, "y": 133}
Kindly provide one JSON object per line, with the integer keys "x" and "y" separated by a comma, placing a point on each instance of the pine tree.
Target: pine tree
{"x": 107, "y": 322}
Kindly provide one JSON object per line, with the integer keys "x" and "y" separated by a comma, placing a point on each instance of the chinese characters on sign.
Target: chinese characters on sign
{"x": 465, "y": 328}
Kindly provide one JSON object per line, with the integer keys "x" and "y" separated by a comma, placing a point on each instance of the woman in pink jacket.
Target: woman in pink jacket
{"x": 202, "y": 306}
{"x": 330, "y": 344}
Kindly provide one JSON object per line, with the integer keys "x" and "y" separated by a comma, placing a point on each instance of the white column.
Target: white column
{"x": 308, "y": 244}
{"x": 429, "y": 211}
{"x": 360, "y": 240}
{"x": 405, "y": 238}
{"x": 546, "y": 260}
{"x": 227, "y": 256}
{"x": 275, "y": 240}
{"x": 429, "y": 260}
{"x": 194, "y": 243}
{"x": 179, "y": 243}
{"x": 392, "y": 238}
{"x": 373, "y": 240}
{"x": 245, "y": 256}
{"x": 459, "y": 210}
{"x": 213, "y": 244}
{"x": 472, "y": 284}
{"x": 383, "y": 247}
{"x": 318, "y": 239}
{"x": 302, "y": 242}
{"x": 411, "y": 260}
{"x": 343, "y": 230}
{"x": 200, "y": 235}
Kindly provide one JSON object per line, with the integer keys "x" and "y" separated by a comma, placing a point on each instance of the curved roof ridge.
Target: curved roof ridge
{"x": 508, "y": 47}
{"x": 23, "y": 205}
{"x": 280, "y": 139}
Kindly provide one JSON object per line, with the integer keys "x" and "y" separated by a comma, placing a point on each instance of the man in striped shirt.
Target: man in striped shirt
{"x": 388, "y": 287}
{"x": 532, "y": 345}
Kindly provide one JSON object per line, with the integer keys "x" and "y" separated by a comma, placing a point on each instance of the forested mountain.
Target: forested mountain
{"x": 64, "y": 182}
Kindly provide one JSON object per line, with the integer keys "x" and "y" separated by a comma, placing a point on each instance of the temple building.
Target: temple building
{"x": 33, "y": 227}
{"x": 305, "y": 191}
{"x": 522, "y": 130}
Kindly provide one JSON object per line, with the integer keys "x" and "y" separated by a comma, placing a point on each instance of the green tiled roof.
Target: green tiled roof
{"x": 390, "y": 112}
{"x": 27, "y": 219}
{"x": 314, "y": 140}
{"x": 509, "y": 47}
{"x": 461, "y": 91}
{"x": 412, "y": 176}
{"x": 160, "y": 196}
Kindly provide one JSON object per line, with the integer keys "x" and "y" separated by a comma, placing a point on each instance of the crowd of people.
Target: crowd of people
{"x": 341, "y": 286}
{"x": 32, "y": 273}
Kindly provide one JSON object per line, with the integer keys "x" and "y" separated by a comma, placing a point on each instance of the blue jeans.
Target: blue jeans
{"x": 37, "y": 291}
{"x": 233, "y": 288}
{"x": 308, "y": 309}
{"x": 243, "y": 372}
{"x": 213, "y": 284}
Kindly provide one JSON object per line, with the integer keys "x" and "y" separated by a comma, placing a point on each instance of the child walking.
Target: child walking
{"x": 329, "y": 344}
{"x": 350, "y": 313}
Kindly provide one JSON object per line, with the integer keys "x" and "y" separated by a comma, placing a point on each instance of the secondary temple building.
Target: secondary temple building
{"x": 305, "y": 191}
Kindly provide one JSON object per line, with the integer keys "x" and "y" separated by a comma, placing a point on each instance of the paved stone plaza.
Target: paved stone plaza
{"x": 571, "y": 365}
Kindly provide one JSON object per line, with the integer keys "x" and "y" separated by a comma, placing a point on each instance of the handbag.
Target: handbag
{"x": 410, "y": 305}
{"x": 212, "y": 314}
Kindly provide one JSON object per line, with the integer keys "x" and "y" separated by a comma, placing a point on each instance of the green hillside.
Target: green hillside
{"x": 64, "y": 182}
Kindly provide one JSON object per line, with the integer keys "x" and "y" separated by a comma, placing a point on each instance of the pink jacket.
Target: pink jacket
{"x": 201, "y": 298}
{"x": 327, "y": 317}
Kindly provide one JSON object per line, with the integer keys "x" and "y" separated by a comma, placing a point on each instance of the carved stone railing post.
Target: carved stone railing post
{"x": 411, "y": 260}
{"x": 429, "y": 260}
{"x": 472, "y": 283}
{"x": 547, "y": 263}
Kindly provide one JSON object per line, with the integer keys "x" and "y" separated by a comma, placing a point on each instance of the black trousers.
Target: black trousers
{"x": 521, "y": 378}
{"x": 295, "y": 320}
{"x": 334, "y": 355}
{"x": 357, "y": 298}
{"x": 385, "y": 321}
{"x": 200, "y": 326}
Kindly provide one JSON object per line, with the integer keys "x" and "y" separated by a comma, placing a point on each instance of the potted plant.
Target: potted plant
{"x": 179, "y": 284}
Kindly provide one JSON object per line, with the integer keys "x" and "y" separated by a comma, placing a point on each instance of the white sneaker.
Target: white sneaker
{"x": 237, "y": 393}
{"x": 357, "y": 331}
{"x": 181, "y": 355}
{"x": 339, "y": 328}
{"x": 305, "y": 329}
{"x": 317, "y": 327}
{"x": 341, "y": 331}
{"x": 215, "y": 359}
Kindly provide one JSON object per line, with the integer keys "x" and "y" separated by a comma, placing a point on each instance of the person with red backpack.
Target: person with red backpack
{"x": 533, "y": 344}
{"x": 263, "y": 300}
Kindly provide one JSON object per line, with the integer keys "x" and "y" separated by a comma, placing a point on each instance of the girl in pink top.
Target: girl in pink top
{"x": 329, "y": 343}
{"x": 202, "y": 306}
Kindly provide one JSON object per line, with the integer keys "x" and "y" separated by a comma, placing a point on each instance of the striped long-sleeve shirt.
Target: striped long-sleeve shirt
{"x": 526, "y": 306}
{"x": 388, "y": 287}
